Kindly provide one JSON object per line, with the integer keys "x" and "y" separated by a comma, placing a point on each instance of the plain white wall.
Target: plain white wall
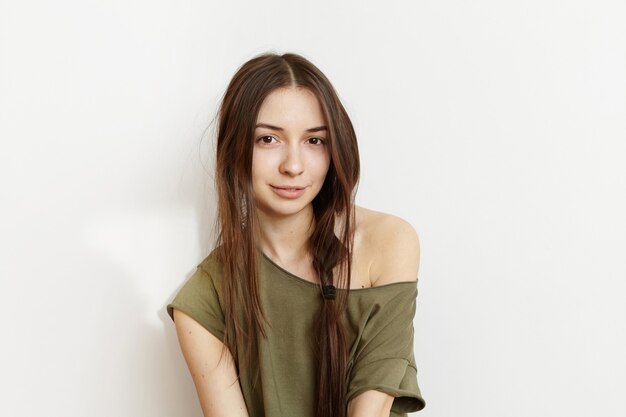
{"x": 496, "y": 128}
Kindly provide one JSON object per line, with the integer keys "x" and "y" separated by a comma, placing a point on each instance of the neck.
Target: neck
{"x": 286, "y": 238}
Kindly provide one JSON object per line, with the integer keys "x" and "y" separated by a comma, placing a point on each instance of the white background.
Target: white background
{"x": 497, "y": 128}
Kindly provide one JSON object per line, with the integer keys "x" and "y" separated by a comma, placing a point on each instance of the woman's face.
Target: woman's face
{"x": 290, "y": 158}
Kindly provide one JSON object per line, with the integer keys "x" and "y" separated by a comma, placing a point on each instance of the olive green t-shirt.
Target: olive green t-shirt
{"x": 379, "y": 330}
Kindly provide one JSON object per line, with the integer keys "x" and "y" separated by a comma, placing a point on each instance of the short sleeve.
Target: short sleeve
{"x": 199, "y": 299}
{"x": 384, "y": 359}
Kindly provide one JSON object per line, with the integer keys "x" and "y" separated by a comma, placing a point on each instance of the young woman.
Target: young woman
{"x": 305, "y": 308}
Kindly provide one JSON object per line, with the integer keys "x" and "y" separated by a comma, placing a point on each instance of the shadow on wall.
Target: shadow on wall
{"x": 129, "y": 364}
{"x": 137, "y": 260}
{"x": 174, "y": 375}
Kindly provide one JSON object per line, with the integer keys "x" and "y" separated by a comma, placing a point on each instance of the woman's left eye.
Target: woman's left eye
{"x": 317, "y": 141}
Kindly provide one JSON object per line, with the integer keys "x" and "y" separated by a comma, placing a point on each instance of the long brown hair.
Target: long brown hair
{"x": 236, "y": 219}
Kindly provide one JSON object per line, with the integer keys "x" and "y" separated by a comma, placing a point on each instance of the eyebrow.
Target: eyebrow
{"x": 313, "y": 129}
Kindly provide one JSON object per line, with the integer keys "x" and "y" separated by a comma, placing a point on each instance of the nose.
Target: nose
{"x": 292, "y": 163}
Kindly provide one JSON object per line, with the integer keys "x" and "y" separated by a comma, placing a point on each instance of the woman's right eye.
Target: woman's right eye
{"x": 266, "y": 139}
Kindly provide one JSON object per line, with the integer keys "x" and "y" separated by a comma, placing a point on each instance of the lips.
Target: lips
{"x": 288, "y": 191}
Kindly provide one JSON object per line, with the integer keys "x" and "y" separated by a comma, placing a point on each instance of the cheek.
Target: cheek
{"x": 325, "y": 164}
{"x": 258, "y": 166}
{"x": 321, "y": 169}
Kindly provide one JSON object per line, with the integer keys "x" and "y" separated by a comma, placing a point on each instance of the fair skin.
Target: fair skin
{"x": 290, "y": 151}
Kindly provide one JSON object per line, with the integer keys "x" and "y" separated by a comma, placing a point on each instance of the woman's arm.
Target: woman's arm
{"x": 370, "y": 404}
{"x": 216, "y": 381}
{"x": 396, "y": 259}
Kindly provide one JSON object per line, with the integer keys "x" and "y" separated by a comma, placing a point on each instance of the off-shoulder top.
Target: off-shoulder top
{"x": 379, "y": 330}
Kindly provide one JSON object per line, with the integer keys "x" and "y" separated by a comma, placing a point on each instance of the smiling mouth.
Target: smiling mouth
{"x": 287, "y": 188}
{"x": 288, "y": 192}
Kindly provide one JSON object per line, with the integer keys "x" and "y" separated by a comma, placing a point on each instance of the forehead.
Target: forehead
{"x": 291, "y": 107}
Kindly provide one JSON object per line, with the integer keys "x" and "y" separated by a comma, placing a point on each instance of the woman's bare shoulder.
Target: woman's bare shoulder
{"x": 391, "y": 243}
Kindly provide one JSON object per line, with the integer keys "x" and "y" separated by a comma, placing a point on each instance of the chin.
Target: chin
{"x": 284, "y": 209}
